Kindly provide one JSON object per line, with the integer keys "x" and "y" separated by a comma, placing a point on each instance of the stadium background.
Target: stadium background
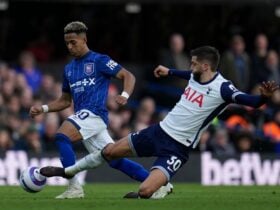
{"x": 137, "y": 35}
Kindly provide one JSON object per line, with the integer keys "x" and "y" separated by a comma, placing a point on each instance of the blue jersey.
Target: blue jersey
{"x": 87, "y": 79}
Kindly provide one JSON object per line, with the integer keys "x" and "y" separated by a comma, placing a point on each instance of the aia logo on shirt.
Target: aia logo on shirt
{"x": 193, "y": 96}
{"x": 89, "y": 68}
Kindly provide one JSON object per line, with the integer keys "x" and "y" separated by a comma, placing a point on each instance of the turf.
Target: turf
{"x": 109, "y": 197}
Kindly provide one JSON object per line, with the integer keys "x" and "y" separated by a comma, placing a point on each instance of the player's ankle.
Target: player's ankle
{"x": 70, "y": 171}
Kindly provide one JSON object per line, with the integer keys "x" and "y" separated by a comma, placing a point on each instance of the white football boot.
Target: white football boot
{"x": 163, "y": 191}
{"x": 73, "y": 191}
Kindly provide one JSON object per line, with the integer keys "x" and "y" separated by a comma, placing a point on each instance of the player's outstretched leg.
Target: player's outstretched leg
{"x": 90, "y": 161}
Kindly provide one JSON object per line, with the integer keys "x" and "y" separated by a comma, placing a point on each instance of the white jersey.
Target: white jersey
{"x": 199, "y": 105}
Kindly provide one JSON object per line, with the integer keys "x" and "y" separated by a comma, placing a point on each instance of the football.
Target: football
{"x": 31, "y": 180}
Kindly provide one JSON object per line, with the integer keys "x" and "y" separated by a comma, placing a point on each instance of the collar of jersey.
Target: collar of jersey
{"x": 85, "y": 55}
{"x": 205, "y": 83}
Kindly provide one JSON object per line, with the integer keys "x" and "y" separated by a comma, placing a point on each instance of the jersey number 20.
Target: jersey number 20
{"x": 82, "y": 115}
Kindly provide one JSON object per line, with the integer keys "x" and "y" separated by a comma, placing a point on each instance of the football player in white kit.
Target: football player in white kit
{"x": 206, "y": 95}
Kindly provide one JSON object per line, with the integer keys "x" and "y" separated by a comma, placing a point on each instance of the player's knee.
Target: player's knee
{"x": 146, "y": 191}
{"x": 108, "y": 152}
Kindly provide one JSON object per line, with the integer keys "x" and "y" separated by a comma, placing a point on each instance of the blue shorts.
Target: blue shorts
{"x": 153, "y": 141}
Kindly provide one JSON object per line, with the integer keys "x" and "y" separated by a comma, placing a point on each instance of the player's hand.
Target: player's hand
{"x": 267, "y": 88}
{"x": 161, "y": 71}
{"x": 35, "y": 110}
{"x": 121, "y": 100}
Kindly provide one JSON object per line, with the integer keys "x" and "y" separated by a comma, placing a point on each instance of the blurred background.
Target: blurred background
{"x": 140, "y": 35}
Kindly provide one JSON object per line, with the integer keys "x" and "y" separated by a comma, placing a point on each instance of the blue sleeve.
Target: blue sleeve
{"x": 180, "y": 73}
{"x": 232, "y": 95}
{"x": 65, "y": 83}
{"x": 108, "y": 66}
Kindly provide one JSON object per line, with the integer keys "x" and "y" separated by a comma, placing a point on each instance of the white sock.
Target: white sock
{"x": 74, "y": 181}
{"x": 92, "y": 160}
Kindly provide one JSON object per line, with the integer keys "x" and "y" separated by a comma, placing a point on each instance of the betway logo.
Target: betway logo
{"x": 16, "y": 161}
{"x": 249, "y": 170}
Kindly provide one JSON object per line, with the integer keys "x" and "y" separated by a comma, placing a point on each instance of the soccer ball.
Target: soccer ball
{"x": 31, "y": 180}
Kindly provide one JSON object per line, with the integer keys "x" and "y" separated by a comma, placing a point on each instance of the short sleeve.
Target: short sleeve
{"x": 108, "y": 66}
{"x": 229, "y": 92}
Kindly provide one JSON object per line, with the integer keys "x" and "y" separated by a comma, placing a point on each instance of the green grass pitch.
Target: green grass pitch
{"x": 109, "y": 197}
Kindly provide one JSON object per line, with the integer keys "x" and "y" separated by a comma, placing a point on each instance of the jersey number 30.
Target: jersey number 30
{"x": 173, "y": 163}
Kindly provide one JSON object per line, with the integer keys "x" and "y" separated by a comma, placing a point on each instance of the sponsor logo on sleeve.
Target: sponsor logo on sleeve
{"x": 111, "y": 64}
{"x": 233, "y": 88}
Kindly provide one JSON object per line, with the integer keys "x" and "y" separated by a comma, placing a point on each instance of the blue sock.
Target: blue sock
{"x": 130, "y": 168}
{"x": 64, "y": 145}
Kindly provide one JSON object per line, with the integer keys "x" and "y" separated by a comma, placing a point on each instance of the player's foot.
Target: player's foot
{"x": 73, "y": 191}
{"x": 133, "y": 195}
{"x": 50, "y": 171}
{"x": 163, "y": 191}
{"x": 159, "y": 194}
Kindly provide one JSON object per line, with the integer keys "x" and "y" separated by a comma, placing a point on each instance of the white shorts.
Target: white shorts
{"x": 92, "y": 128}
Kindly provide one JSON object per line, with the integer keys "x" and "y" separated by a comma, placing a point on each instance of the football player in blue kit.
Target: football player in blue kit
{"x": 207, "y": 94}
{"x": 85, "y": 82}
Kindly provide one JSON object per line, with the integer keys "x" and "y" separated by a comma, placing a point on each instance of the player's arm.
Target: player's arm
{"x": 232, "y": 95}
{"x": 162, "y": 71}
{"x": 111, "y": 68}
{"x": 61, "y": 103}
{"x": 128, "y": 85}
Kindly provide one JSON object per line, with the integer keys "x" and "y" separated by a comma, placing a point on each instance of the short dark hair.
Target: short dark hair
{"x": 207, "y": 53}
{"x": 75, "y": 27}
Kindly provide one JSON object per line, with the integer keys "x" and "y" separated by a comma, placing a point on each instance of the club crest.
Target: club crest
{"x": 209, "y": 89}
{"x": 89, "y": 68}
